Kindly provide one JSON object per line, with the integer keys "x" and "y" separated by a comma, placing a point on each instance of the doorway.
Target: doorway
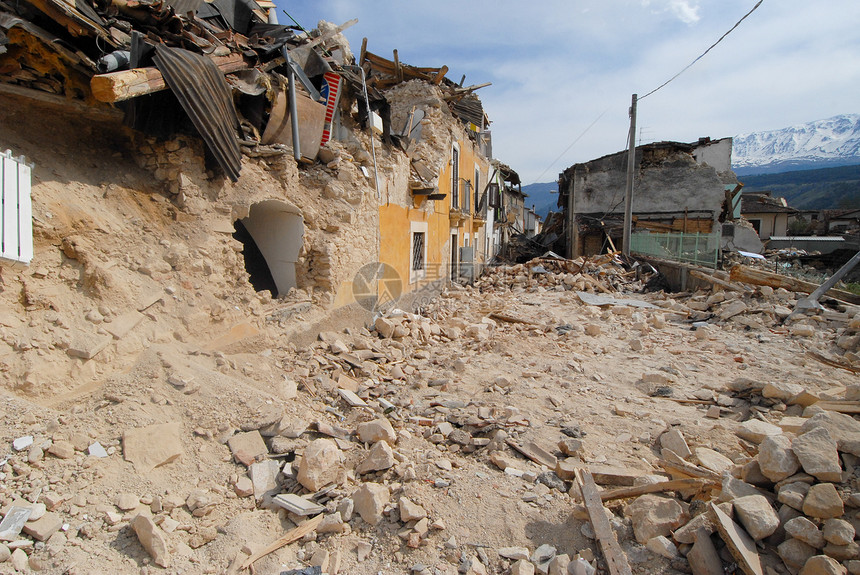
{"x": 272, "y": 236}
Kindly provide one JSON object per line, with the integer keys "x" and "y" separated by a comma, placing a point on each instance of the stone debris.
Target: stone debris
{"x": 152, "y": 539}
{"x": 152, "y": 446}
{"x": 374, "y": 435}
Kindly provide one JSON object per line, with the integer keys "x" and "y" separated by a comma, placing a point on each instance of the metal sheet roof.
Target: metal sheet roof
{"x": 205, "y": 96}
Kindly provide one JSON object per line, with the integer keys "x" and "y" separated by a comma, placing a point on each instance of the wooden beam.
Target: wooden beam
{"x": 755, "y": 276}
{"x": 685, "y": 468}
{"x": 126, "y": 84}
{"x": 616, "y": 560}
{"x": 717, "y": 281}
{"x": 291, "y": 536}
{"x": 363, "y": 55}
{"x": 398, "y": 70}
{"x": 661, "y": 487}
{"x": 437, "y": 79}
{"x": 79, "y": 107}
{"x": 840, "y": 363}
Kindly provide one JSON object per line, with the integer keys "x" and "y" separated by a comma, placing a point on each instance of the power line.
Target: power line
{"x": 573, "y": 143}
{"x": 705, "y": 52}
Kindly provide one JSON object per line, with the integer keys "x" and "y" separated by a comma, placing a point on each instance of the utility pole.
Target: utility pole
{"x": 628, "y": 196}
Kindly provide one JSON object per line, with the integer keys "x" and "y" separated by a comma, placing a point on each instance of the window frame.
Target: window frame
{"x": 417, "y": 228}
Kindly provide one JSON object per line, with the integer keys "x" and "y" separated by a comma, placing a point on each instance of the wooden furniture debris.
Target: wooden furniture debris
{"x": 755, "y": 276}
{"x": 661, "y": 487}
{"x": 616, "y": 560}
{"x": 739, "y": 543}
{"x": 290, "y": 537}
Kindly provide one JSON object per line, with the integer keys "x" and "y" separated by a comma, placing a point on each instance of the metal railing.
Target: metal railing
{"x": 699, "y": 249}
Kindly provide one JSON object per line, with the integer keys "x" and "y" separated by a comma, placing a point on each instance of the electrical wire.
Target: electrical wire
{"x": 578, "y": 138}
{"x": 690, "y": 65}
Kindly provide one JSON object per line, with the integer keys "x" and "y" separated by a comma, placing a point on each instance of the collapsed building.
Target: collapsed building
{"x": 391, "y": 162}
{"x": 678, "y": 188}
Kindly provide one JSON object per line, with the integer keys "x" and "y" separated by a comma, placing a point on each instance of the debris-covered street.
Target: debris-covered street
{"x": 450, "y": 442}
{"x": 271, "y": 305}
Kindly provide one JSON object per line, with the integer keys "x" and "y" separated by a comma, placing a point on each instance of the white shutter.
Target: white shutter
{"x": 16, "y": 243}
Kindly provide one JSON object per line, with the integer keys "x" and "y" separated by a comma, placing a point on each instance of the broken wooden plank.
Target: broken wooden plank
{"x": 739, "y": 543}
{"x": 510, "y": 318}
{"x": 534, "y": 452}
{"x": 437, "y": 79}
{"x": 616, "y": 560}
{"x": 717, "y": 281}
{"x": 351, "y": 398}
{"x": 678, "y": 465}
{"x": 290, "y": 537}
{"x": 125, "y": 84}
{"x": 755, "y": 276}
{"x": 833, "y": 362}
{"x": 840, "y": 406}
{"x": 661, "y": 487}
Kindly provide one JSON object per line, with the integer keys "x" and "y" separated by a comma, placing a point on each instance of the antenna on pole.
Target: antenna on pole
{"x": 628, "y": 196}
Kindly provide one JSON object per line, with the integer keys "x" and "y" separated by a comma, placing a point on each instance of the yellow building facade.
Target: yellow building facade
{"x": 431, "y": 239}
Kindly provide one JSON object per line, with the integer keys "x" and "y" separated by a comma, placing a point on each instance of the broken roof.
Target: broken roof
{"x": 764, "y": 203}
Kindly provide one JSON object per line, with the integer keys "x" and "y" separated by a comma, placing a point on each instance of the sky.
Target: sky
{"x": 563, "y": 71}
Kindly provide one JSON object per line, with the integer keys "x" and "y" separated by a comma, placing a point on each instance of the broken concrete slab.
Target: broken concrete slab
{"x": 739, "y": 543}
{"x": 247, "y": 447}
{"x": 298, "y": 505}
{"x": 152, "y": 446}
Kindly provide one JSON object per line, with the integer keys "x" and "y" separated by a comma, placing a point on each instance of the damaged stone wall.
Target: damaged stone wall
{"x": 666, "y": 181}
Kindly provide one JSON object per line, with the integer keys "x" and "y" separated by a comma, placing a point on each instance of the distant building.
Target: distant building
{"x": 678, "y": 187}
{"x": 768, "y": 214}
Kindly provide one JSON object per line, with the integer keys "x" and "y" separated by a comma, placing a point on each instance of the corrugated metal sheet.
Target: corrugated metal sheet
{"x": 205, "y": 96}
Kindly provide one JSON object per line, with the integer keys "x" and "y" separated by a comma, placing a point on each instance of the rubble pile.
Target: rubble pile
{"x": 373, "y": 449}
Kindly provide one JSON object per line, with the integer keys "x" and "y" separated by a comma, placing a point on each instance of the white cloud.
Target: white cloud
{"x": 557, "y": 65}
{"x": 686, "y": 13}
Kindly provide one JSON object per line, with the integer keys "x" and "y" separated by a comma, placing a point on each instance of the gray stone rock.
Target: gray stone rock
{"x": 795, "y": 553}
{"x": 377, "y": 430}
{"x": 321, "y": 464}
{"x": 805, "y": 530}
{"x": 823, "y": 502}
{"x": 674, "y": 441}
{"x": 793, "y": 494}
{"x": 843, "y": 429}
{"x": 379, "y": 458}
{"x": 653, "y": 515}
{"x": 776, "y": 458}
{"x": 838, "y": 531}
{"x": 370, "y": 500}
{"x": 756, "y": 515}
{"x": 822, "y": 565}
{"x": 152, "y": 539}
{"x": 818, "y": 454}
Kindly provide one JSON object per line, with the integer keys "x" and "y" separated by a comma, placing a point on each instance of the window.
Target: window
{"x": 418, "y": 253}
{"x": 455, "y": 177}
{"x": 477, "y": 183}
{"x": 466, "y": 195}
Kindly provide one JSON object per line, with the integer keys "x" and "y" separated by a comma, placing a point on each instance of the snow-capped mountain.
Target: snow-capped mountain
{"x": 822, "y": 144}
